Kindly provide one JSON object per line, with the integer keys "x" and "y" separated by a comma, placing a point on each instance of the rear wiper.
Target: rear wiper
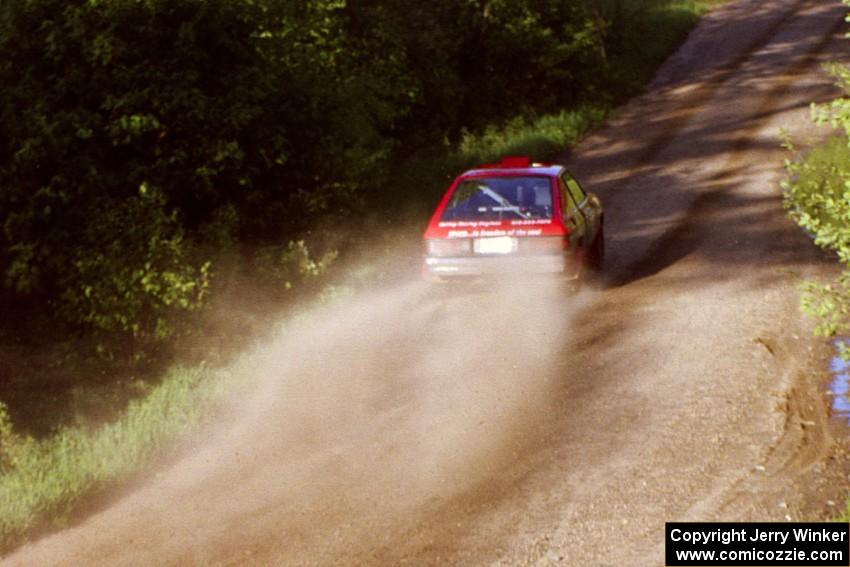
{"x": 505, "y": 205}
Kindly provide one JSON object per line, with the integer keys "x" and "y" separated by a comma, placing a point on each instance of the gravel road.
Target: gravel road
{"x": 512, "y": 427}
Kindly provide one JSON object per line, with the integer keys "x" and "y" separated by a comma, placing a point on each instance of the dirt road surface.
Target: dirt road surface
{"x": 512, "y": 427}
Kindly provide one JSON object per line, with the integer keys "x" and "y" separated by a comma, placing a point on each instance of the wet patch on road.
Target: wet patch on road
{"x": 839, "y": 385}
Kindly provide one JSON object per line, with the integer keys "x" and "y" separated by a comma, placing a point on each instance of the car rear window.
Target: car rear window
{"x": 500, "y": 198}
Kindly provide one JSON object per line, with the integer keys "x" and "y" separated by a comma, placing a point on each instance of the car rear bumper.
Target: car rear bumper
{"x": 472, "y": 266}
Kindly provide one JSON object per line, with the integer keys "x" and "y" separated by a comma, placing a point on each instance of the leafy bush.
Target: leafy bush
{"x": 817, "y": 196}
{"x": 544, "y": 136}
{"x": 142, "y": 134}
{"x": 146, "y": 138}
{"x": 292, "y": 264}
{"x": 131, "y": 270}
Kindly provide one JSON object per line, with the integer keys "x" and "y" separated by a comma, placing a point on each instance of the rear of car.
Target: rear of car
{"x": 501, "y": 219}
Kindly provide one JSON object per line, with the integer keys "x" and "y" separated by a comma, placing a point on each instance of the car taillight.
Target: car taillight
{"x": 448, "y": 247}
{"x": 543, "y": 244}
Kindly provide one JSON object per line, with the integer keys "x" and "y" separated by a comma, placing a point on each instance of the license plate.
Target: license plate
{"x": 495, "y": 245}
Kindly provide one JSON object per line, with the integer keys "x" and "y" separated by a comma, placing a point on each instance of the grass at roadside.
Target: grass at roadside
{"x": 545, "y": 136}
{"x": 44, "y": 480}
{"x": 540, "y": 137}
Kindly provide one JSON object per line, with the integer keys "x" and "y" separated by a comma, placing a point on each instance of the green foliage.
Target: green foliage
{"x": 131, "y": 270}
{"x": 142, "y": 134}
{"x": 246, "y": 122}
{"x": 146, "y": 139}
{"x": 291, "y": 265}
{"x": 42, "y": 480}
{"x": 630, "y": 38}
{"x": 639, "y": 34}
{"x": 817, "y": 196}
{"x": 544, "y": 136}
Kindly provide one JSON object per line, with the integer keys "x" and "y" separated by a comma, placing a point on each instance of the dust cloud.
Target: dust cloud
{"x": 357, "y": 418}
{"x": 371, "y": 407}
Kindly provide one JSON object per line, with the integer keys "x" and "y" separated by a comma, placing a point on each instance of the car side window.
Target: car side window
{"x": 568, "y": 206}
{"x": 575, "y": 189}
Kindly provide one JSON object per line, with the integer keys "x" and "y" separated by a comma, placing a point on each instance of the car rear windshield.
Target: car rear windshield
{"x": 500, "y": 198}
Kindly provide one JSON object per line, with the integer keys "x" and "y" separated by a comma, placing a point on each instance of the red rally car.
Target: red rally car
{"x": 514, "y": 217}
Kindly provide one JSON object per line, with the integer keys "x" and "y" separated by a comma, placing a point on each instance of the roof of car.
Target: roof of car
{"x": 515, "y": 165}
